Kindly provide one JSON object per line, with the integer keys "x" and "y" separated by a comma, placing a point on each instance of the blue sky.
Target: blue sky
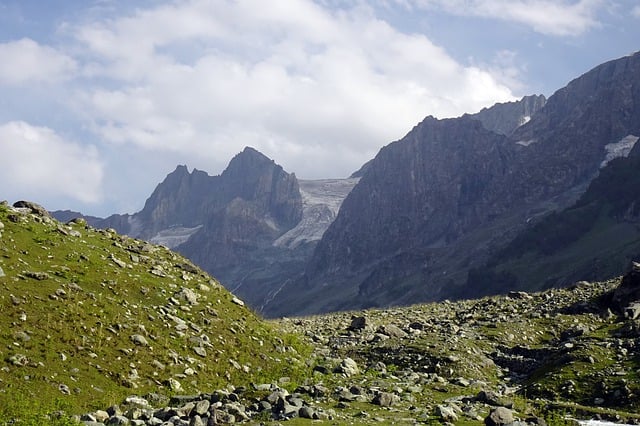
{"x": 99, "y": 100}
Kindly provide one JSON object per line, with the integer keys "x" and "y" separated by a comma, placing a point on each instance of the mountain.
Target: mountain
{"x": 434, "y": 205}
{"x": 254, "y": 226}
{"x": 593, "y": 239}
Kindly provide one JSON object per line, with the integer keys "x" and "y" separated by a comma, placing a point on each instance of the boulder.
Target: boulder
{"x": 499, "y": 416}
{"x": 36, "y": 209}
{"x": 348, "y": 367}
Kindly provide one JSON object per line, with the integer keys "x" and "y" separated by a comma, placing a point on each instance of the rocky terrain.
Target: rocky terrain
{"x": 105, "y": 329}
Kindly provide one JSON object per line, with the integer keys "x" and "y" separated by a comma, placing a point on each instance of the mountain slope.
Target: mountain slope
{"x": 89, "y": 315}
{"x": 593, "y": 239}
{"x": 435, "y": 204}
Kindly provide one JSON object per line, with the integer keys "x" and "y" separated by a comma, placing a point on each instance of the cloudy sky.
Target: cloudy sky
{"x": 101, "y": 99}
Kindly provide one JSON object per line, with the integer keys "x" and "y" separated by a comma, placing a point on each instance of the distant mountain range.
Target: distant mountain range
{"x": 457, "y": 208}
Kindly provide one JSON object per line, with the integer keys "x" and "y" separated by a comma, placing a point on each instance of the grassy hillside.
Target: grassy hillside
{"x": 89, "y": 317}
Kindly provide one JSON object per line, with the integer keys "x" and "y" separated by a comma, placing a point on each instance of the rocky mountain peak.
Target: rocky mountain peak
{"x": 504, "y": 118}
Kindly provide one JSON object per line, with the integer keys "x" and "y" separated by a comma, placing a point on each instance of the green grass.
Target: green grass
{"x": 74, "y": 327}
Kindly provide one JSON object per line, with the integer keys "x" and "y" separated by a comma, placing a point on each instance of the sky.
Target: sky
{"x": 101, "y": 99}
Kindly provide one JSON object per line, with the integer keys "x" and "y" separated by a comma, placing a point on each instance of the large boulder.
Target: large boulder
{"x": 627, "y": 293}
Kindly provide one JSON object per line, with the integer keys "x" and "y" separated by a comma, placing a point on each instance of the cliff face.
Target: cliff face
{"x": 506, "y": 117}
{"x": 434, "y": 204}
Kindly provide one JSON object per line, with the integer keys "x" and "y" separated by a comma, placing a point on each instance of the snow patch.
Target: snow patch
{"x": 527, "y": 143}
{"x": 174, "y": 236}
{"x": 321, "y": 200}
{"x": 622, "y": 148}
{"x": 524, "y": 120}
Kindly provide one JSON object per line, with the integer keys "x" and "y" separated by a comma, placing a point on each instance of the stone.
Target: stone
{"x": 199, "y": 350}
{"x": 306, "y": 412}
{"x": 446, "y": 413}
{"x": 202, "y": 407}
{"x": 139, "y": 339}
{"x": 137, "y": 401}
{"x": 117, "y": 420}
{"x": 348, "y": 367}
{"x": 187, "y": 295}
{"x": 358, "y": 323}
{"x": 385, "y": 399}
{"x": 174, "y": 385}
{"x": 36, "y": 209}
{"x": 632, "y": 311}
{"x": 40, "y": 276}
{"x": 499, "y": 416}
{"x": 196, "y": 421}
{"x": 392, "y": 331}
{"x": 2, "y": 274}
{"x": 118, "y": 262}
{"x": 494, "y": 399}
{"x": 237, "y": 301}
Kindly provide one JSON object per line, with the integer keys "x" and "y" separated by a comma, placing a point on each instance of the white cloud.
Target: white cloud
{"x": 293, "y": 79}
{"x": 636, "y": 11}
{"x": 26, "y": 61}
{"x": 37, "y": 164}
{"x": 551, "y": 17}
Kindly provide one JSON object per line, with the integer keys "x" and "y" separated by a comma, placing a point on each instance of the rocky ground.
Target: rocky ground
{"x": 521, "y": 359}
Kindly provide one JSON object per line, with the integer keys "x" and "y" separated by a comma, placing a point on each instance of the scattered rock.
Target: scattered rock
{"x": 385, "y": 399}
{"x": 34, "y": 208}
{"x": 499, "y": 416}
{"x": 446, "y": 413}
{"x": 139, "y": 340}
{"x": 358, "y": 323}
{"x": 348, "y": 367}
{"x": 237, "y": 301}
{"x": 40, "y": 276}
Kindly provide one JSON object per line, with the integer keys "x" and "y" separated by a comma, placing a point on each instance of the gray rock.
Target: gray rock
{"x": 139, "y": 340}
{"x": 196, "y": 421}
{"x": 392, "y": 331}
{"x": 348, "y": 367}
{"x": 2, "y": 274}
{"x": 237, "y": 301}
{"x": 40, "y": 276}
{"x": 499, "y": 416}
{"x": 36, "y": 209}
{"x": 632, "y": 311}
{"x": 117, "y": 420}
{"x": 494, "y": 399}
{"x": 385, "y": 399}
{"x": 307, "y": 412}
{"x": 202, "y": 407}
{"x": 200, "y": 351}
{"x": 358, "y": 323}
{"x": 187, "y": 295}
{"x": 446, "y": 413}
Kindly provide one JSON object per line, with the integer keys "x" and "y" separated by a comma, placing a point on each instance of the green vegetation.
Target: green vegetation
{"x": 90, "y": 317}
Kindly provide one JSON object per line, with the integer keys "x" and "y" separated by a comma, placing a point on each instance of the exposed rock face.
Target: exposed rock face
{"x": 433, "y": 204}
{"x": 506, "y": 117}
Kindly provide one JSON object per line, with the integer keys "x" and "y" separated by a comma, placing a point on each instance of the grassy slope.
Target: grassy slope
{"x": 71, "y": 304}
